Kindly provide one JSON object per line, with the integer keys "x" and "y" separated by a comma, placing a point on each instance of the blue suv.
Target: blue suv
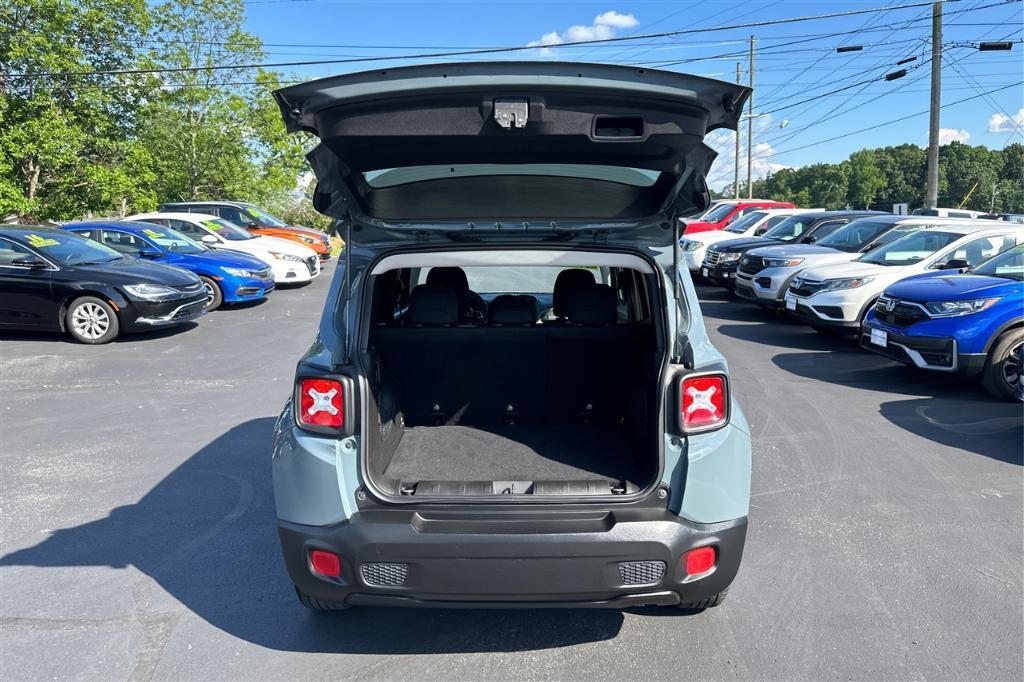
{"x": 228, "y": 276}
{"x": 971, "y": 321}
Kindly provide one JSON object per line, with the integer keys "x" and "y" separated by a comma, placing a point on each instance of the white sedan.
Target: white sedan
{"x": 291, "y": 263}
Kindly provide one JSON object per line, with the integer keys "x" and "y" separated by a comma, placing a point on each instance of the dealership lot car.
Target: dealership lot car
{"x": 291, "y": 263}
{"x": 434, "y": 455}
{"x": 753, "y": 224}
{"x": 722, "y": 259}
{"x": 838, "y": 297}
{"x": 764, "y": 273}
{"x": 971, "y": 321}
{"x": 257, "y": 221}
{"x": 727, "y": 212}
{"x": 54, "y": 280}
{"x": 228, "y": 277}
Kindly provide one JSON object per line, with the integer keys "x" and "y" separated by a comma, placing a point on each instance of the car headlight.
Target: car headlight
{"x": 727, "y": 257}
{"x": 845, "y": 283}
{"x": 690, "y": 246}
{"x": 286, "y": 256}
{"x": 151, "y": 292}
{"x": 782, "y": 262}
{"x": 955, "y": 308}
{"x": 238, "y": 272}
{"x": 308, "y": 240}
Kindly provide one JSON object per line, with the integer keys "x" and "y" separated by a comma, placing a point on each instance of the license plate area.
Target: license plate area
{"x": 879, "y": 338}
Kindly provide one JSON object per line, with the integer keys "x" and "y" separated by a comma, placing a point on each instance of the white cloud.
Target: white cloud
{"x": 724, "y": 142}
{"x": 1001, "y": 123}
{"x": 603, "y": 27}
{"x": 947, "y": 135}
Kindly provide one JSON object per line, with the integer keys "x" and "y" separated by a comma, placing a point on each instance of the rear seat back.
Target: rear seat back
{"x": 514, "y": 371}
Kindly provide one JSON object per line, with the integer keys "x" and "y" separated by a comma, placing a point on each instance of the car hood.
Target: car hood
{"x": 134, "y": 270}
{"x": 280, "y": 245}
{"x": 853, "y": 269}
{"x": 951, "y": 287}
{"x": 786, "y": 250}
{"x": 713, "y": 237}
{"x": 218, "y": 258}
{"x": 512, "y": 151}
{"x": 744, "y": 244}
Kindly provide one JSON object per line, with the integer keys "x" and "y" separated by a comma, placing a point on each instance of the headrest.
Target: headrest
{"x": 452, "y": 277}
{"x": 593, "y": 305}
{"x": 512, "y": 310}
{"x": 433, "y": 305}
{"x": 564, "y": 283}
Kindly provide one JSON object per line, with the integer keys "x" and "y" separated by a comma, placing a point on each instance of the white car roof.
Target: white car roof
{"x": 971, "y": 226}
{"x": 190, "y": 217}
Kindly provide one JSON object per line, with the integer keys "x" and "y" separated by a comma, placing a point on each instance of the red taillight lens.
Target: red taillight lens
{"x": 703, "y": 402}
{"x": 325, "y": 563}
{"x": 322, "y": 403}
{"x": 700, "y": 560}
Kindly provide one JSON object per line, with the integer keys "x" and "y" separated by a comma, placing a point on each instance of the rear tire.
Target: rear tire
{"x": 214, "y": 296}
{"x": 1002, "y": 376}
{"x": 706, "y": 603}
{"x": 91, "y": 320}
{"x": 318, "y": 604}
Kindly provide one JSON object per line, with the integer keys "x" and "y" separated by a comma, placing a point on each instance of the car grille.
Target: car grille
{"x": 265, "y": 275}
{"x": 641, "y": 572}
{"x": 193, "y": 288}
{"x": 712, "y": 257}
{"x": 751, "y": 265}
{"x": 803, "y": 287}
{"x": 311, "y": 263}
{"x": 898, "y": 313}
{"x": 190, "y": 310}
{"x": 386, "y": 575}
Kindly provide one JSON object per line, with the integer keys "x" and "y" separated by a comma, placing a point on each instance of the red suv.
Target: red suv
{"x": 725, "y": 212}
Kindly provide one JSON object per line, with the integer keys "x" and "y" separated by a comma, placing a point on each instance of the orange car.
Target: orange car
{"x": 257, "y": 221}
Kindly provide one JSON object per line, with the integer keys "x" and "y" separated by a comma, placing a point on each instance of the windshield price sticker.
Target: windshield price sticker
{"x": 37, "y": 241}
{"x": 213, "y": 225}
{"x": 153, "y": 233}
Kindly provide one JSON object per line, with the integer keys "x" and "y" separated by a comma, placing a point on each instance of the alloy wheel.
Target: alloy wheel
{"x": 1013, "y": 366}
{"x": 90, "y": 321}
{"x": 210, "y": 293}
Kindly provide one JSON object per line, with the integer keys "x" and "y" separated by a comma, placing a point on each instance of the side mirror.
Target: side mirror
{"x": 955, "y": 264}
{"x": 759, "y": 231}
{"x": 149, "y": 253}
{"x": 810, "y": 240}
{"x": 252, "y": 226}
{"x": 32, "y": 262}
{"x": 208, "y": 239}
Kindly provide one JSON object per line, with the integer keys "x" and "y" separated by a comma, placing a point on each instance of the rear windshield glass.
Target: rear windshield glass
{"x": 390, "y": 177}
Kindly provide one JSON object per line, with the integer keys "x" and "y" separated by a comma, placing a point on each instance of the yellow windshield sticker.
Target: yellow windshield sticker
{"x": 37, "y": 241}
{"x": 254, "y": 213}
{"x": 213, "y": 225}
{"x": 153, "y": 233}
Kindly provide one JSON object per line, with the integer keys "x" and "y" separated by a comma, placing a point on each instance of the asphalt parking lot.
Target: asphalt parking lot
{"x": 138, "y": 534}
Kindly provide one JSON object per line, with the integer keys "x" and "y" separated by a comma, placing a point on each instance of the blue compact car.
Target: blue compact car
{"x": 970, "y": 321}
{"x": 229, "y": 277}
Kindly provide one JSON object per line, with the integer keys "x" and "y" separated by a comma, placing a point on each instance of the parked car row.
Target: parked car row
{"x": 95, "y": 280}
{"x": 938, "y": 293}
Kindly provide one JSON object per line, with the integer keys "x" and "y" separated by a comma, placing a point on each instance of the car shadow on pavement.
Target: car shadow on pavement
{"x": 206, "y": 534}
{"x": 160, "y": 333}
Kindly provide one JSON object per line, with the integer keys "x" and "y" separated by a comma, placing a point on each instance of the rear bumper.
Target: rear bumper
{"x": 540, "y": 559}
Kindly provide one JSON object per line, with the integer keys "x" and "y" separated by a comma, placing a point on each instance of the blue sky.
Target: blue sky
{"x": 785, "y": 75}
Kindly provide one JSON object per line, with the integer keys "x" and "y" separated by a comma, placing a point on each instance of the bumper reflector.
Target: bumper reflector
{"x": 325, "y": 563}
{"x": 700, "y": 560}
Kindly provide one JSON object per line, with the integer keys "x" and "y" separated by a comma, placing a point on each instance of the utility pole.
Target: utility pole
{"x": 992, "y": 206}
{"x": 750, "y": 127}
{"x": 739, "y": 128}
{"x": 931, "y": 199}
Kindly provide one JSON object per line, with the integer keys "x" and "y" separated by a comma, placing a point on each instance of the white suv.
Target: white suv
{"x": 764, "y": 273}
{"x": 838, "y": 296}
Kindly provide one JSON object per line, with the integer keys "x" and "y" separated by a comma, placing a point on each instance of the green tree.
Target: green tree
{"x": 864, "y": 178}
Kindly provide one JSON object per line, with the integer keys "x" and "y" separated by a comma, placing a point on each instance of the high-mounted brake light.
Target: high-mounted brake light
{"x": 703, "y": 402}
{"x": 321, "y": 403}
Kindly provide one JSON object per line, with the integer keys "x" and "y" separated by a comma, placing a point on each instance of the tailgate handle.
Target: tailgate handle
{"x": 511, "y": 113}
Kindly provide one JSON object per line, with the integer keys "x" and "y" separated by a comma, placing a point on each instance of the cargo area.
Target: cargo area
{"x": 534, "y": 394}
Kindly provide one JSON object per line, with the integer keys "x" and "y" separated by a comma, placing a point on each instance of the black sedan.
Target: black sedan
{"x": 723, "y": 258}
{"x": 59, "y": 281}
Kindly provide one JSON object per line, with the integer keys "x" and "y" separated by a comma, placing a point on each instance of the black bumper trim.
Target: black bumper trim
{"x": 565, "y": 567}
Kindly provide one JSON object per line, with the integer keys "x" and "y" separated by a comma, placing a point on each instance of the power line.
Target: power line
{"x": 493, "y": 50}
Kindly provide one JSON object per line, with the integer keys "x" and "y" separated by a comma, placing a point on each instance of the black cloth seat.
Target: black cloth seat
{"x": 472, "y": 307}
